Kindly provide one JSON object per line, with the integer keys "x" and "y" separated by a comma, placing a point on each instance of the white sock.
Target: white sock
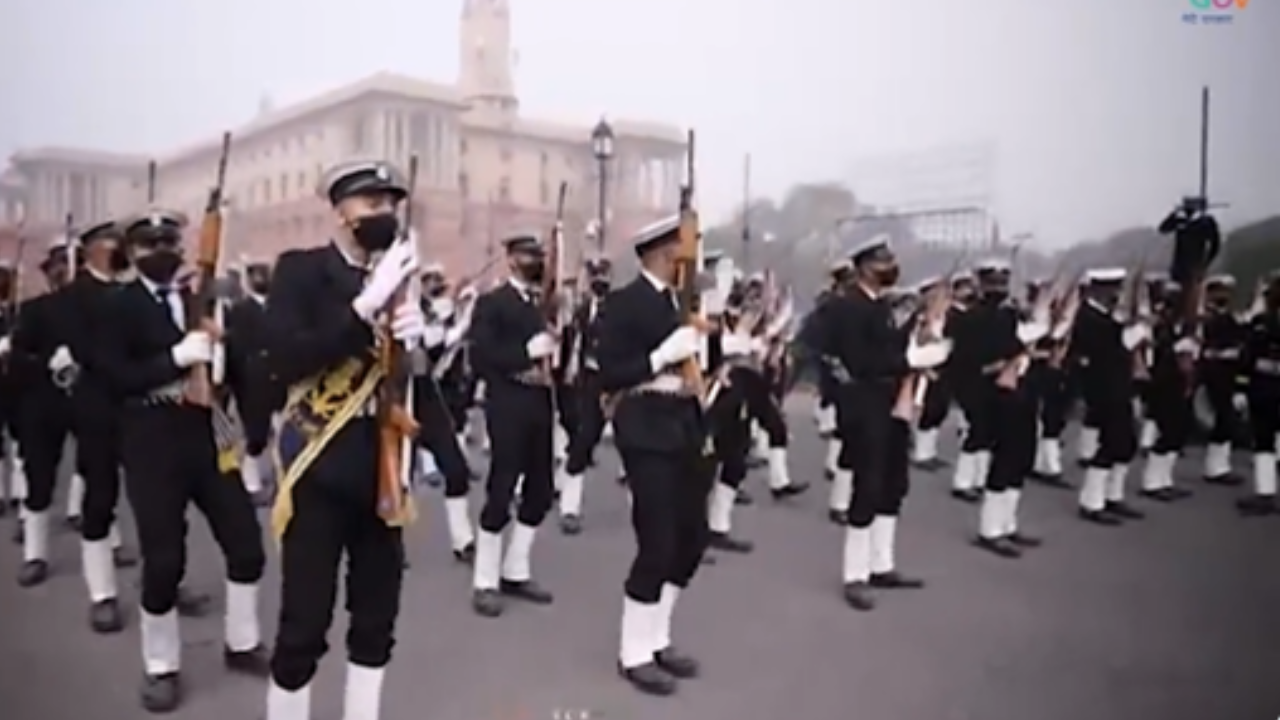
{"x": 965, "y": 476}
{"x": 97, "y": 563}
{"x": 1087, "y": 443}
{"x": 1264, "y": 474}
{"x": 662, "y": 619}
{"x": 884, "y": 539}
{"x": 925, "y": 447}
{"x": 639, "y": 624}
{"x": 516, "y": 561}
{"x": 841, "y": 490}
{"x": 990, "y": 524}
{"x": 857, "y": 554}
{"x": 288, "y": 705}
{"x": 1116, "y": 483}
{"x": 251, "y": 473}
{"x": 779, "y": 476}
{"x": 362, "y": 699}
{"x": 75, "y": 495}
{"x": 457, "y": 512}
{"x": 570, "y": 494}
{"x": 35, "y": 536}
{"x": 720, "y": 508}
{"x": 488, "y": 561}
{"x": 240, "y": 623}
{"x": 1093, "y": 490}
{"x": 1217, "y": 460}
{"x": 1012, "y": 500}
{"x": 161, "y": 643}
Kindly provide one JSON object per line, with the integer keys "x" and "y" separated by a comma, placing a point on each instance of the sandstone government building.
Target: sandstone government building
{"x": 485, "y": 168}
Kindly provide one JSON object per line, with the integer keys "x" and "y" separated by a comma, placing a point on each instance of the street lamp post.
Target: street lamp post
{"x": 602, "y": 149}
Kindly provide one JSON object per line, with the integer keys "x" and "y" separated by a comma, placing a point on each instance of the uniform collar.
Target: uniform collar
{"x": 155, "y": 288}
{"x": 655, "y": 281}
{"x": 348, "y": 258}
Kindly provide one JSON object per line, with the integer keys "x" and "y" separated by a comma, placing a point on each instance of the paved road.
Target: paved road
{"x": 1175, "y": 618}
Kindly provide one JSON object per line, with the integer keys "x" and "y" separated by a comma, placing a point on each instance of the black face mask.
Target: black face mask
{"x": 600, "y": 287}
{"x": 888, "y": 276}
{"x": 532, "y": 272}
{"x": 119, "y": 260}
{"x": 995, "y": 295}
{"x": 160, "y": 267}
{"x": 259, "y": 287}
{"x": 376, "y": 232}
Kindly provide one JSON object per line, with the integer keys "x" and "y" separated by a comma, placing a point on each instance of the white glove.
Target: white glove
{"x": 398, "y": 264}
{"x": 442, "y": 307}
{"x": 5, "y": 346}
{"x": 218, "y": 364}
{"x": 408, "y": 324}
{"x": 1031, "y": 332}
{"x": 454, "y": 335}
{"x": 468, "y": 293}
{"x": 1060, "y": 331}
{"x": 1134, "y": 335}
{"x": 61, "y": 360}
{"x": 736, "y": 345}
{"x": 433, "y": 335}
{"x": 928, "y": 355}
{"x": 683, "y": 343}
{"x": 1240, "y": 402}
{"x": 540, "y": 346}
{"x": 193, "y": 349}
{"x": 1187, "y": 346}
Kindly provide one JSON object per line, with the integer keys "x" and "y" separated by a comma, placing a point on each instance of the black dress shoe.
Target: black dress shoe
{"x": 728, "y": 543}
{"x": 649, "y": 679}
{"x": 192, "y": 604}
{"x": 255, "y": 662}
{"x": 838, "y": 517}
{"x": 707, "y": 559}
{"x": 1178, "y": 493}
{"x": 1160, "y": 495}
{"x": 676, "y": 663}
{"x": 857, "y": 595}
{"x": 466, "y": 555}
{"x": 105, "y": 617}
{"x": 742, "y": 497}
{"x": 997, "y": 546}
{"x": 1228, "y": 480}
{"x": 123, "y": 557}
{"x": 967, "y": 496}
{"x": 894, "y": 580}
{"x": 1257, "y": 506}
{"x": 1124, "y": 511}
{"x": 1024, "y": 541}
{"x": 571, "y": 525}
{"x": 828, "y": 474}
{"x": 1098, "y": 518}
{"x": 930, "y": 465}
{"x": 526, "y": 590}
{"x": 755, "y": 461}
{"x": 161, "y": 693}
{"x": 791, "y": 489}
{"x": 1053, "y": 481}
{"x": 18, "y": 535}
{"x": 73, "y": 523}
{"x": 487, "y": 603}
{"x": 33, "y": 573}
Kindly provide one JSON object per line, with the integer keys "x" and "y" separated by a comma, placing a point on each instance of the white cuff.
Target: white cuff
{"x": 1032, "y": 332}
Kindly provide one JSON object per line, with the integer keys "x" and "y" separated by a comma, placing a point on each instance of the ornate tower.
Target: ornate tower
{"x": 486, "y": 61}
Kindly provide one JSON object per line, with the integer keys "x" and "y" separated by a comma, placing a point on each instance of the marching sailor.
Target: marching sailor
{"x": 1262, "y": 367}
{"x": 1107, "y": 349}
{"x": 1004, "y": 353}
{"x": 937, "y": 405}
{"x": 511, "y": 352}
{"x": 582, "y": 378}
{"x": 1224, "y": 338}
{"x": 97, "y": 422}
{"x": 870, "y": 347}
{"x": 963, "y": 372}
{"x": 44, "y": 369}
{"x": 323, "y": 309}
{"x": 1053, "y": 397}
{"x": 257, "y": 396}
{"x": 147, "y": 352}
{"x": 660, "y": 434}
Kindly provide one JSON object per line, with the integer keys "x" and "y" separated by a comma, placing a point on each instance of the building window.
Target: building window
{"x": 266, "y": 192}
{"x": 504, "y": 190}
{"x": 505, "y": 154}
{"x": 302, "y": 183}
{"x": 356, "y": 135}
{"x": 464, "y": 185}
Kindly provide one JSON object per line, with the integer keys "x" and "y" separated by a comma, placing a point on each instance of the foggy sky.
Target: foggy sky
{"x": 1093, "y": 104}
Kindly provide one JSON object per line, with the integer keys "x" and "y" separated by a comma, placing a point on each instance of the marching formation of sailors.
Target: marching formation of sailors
{"x": 338, "y": 357}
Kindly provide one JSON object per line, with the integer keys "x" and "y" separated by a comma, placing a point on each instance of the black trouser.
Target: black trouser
{"x": 1013, "y": 414}
{"x": 761, "y": 405}
{"x": 1264, "y": 412}
{"x": 1220, "y": 389}
{"x": 585, "y": 418}
{"x": 259, "y": 400}
{"x": 974, "y": 398}
{"x": 730, "y": 424}
{"x": 1169, "y": 407}
{"x": 98, "y": 460}
{"x": 874, "y": 445}
{"x": 44, "y": 426}
{"x": 1111, "y": 412}
{"x": 519, "y": 421}
{"x": 335, "y": 512}
{"x": 669, "y": 516}
{"x": 937, "y": 402}
{"x": 1054, "y": 397}
{"x": 438, "y": 434}
{"x": 162, "y": 478}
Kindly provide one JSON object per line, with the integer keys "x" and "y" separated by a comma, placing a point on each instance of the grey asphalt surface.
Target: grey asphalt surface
{"x": 1173, "y": 618}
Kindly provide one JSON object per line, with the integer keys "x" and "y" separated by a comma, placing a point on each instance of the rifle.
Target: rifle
{"x": 688, "y": 254}
{"x": 552, "y": 275}
{"x": 396, "y": 424}
{"x": 202, "y": 304}
{"x": 930, "y": 327}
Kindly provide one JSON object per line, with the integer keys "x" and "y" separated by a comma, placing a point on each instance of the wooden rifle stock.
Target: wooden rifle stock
{"x": 395, "y": 420}
{"x": 686, "y": 283}
{"x": 201, "y": 309}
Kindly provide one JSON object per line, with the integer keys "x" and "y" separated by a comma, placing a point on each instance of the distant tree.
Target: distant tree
{"x": 1250, "y": 253}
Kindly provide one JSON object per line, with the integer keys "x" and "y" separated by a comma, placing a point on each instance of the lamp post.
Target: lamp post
{"x": 602, "y": 149}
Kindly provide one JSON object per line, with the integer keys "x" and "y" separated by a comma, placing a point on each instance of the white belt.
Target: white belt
{"x": 1267, "y": 367}
{"x": 665, "y": 384}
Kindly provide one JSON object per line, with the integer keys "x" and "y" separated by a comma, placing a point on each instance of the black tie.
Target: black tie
{"x": 162, "y": 296}
{"x": 670, "y": 295}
